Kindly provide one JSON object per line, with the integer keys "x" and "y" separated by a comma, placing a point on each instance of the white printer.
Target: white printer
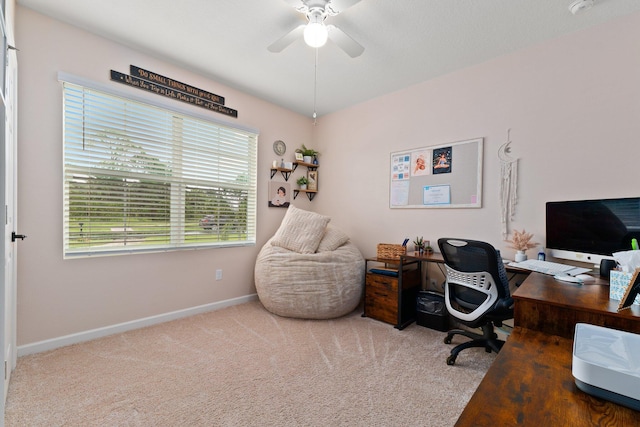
{"x": 606, "y": 364}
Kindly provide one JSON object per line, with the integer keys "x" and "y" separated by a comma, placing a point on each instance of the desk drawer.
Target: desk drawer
{"x": 381, "y": 298}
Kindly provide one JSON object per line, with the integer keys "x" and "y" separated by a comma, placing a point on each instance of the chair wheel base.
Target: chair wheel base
{"x": 451, "y": 360}
{"x": 447, "y": 339}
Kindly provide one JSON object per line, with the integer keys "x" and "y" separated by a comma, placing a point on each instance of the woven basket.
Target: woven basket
{"x": 391, "y": 251}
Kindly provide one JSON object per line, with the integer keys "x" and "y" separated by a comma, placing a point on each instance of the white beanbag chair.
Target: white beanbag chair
{"x": 311, "y": 271}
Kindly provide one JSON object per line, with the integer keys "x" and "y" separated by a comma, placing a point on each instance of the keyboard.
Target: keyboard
{"x": 548, "y": 267}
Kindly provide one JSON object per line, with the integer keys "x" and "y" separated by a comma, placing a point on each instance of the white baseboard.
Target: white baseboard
{"x": 53, "y": 343}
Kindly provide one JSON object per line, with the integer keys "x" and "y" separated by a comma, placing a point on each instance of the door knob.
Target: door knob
{"x": 15, "y": 236}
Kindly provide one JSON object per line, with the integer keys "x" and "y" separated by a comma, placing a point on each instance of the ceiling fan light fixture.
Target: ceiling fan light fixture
{"x": 315, "y": 34}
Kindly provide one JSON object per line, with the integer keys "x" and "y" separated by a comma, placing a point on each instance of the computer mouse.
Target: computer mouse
{"x": 569, "y": 279}
{"x": 585, "y": 278}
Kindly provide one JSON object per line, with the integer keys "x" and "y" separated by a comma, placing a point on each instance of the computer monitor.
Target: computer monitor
{"x": 591, "y": 230}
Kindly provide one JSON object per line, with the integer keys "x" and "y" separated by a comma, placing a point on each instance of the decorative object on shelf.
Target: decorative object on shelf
{"x": 315, "y": 159}
{"x": 427, "y": 247}
{"x": 419, "y": 243}
{"x": 307, "y": 153}
{"x": 312, "y": 180}
{"x": 521, "y": 242}
{"x": 279, "y": 147}
{"x": 508, "y": 185}
{"x": 299, "y": 157}
{"x": 302, "y": 182}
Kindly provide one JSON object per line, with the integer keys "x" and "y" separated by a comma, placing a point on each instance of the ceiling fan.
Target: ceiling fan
{"x": 315, "y": 32}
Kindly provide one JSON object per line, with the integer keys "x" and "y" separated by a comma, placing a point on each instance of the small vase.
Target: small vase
{"x": 303, "y": 186}
{"x": 520, "y": 256}
{"x": 307, "y": 159}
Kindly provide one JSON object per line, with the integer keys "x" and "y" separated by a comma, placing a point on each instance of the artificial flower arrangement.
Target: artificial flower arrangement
{"x": 521, "y": 241}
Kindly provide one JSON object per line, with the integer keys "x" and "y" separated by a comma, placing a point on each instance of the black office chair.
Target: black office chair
{"x": 476, "y": 292}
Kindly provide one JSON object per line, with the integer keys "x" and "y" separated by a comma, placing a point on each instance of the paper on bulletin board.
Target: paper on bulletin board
{"x": 437, "y": 195}
{"x": 401, "y": 167}
{"x": 399, "y": 193}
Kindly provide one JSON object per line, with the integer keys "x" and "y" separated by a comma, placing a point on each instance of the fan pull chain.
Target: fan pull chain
{"x": 315, "y": 89}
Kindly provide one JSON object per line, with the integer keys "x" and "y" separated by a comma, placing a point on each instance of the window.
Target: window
{"x": 138, "y": 177}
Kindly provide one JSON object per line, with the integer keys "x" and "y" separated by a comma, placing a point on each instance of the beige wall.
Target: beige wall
{"x": 573, "y": 106}
{"x": 58, "y": 297}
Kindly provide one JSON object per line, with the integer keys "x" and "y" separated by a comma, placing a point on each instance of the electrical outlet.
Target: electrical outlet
{"x": 218, "y": 274}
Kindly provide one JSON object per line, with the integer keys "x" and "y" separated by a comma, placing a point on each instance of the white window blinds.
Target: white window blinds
{"x": 138, "y": 177}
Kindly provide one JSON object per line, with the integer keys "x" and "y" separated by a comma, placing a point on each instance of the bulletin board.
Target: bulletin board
{"x": 439, "y": 176}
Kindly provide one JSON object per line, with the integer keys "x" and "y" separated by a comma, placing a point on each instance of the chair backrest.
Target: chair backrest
{"x": 476, "y": 278}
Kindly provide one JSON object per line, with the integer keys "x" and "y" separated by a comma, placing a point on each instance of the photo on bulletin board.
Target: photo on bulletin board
{"x": 420, "y": 162}
{"x": 442, "y": 159}
{"x": 439, "y": 184}
{"x": 279, "y": 194}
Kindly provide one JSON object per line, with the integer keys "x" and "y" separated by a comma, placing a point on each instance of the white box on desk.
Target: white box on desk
{"x": 618, "y": 283}
{"x": 605, "y": 364}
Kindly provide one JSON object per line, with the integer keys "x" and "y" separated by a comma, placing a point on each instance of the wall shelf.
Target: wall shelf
{"x": 309, "y": 166}
{"x": 310, "y": 193}
{"x": 286, "y": 173}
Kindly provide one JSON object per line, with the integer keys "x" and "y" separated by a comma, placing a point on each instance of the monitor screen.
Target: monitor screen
{"x": 591, "y": 230}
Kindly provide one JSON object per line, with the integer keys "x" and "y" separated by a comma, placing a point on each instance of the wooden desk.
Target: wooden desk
{"x": 530, "y": 384}
{"x": 553, "y": 307}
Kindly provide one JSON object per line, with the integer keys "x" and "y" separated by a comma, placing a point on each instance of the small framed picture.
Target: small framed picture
{"x": 279, "y": 194}
{"x": 299, "y": 157}
{"x": 312, "y": 180}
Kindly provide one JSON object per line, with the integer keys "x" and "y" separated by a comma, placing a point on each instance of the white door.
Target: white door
{"x": 8, "y": 120}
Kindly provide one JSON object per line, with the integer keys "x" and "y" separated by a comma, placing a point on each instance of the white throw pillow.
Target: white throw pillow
{"x": 300, "y": 231}
{"x": 333, "y": 238}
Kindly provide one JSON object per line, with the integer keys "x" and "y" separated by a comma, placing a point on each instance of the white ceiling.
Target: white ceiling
{"x": 405, "y": 41}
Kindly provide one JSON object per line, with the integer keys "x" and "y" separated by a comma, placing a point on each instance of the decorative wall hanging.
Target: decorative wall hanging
{"x": 279, "y": 194}
{"x": 508, "y": 185}
{"x": 170, "y": 88}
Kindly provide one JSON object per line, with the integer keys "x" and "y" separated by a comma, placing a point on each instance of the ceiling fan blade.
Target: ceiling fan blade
{"x": 287, "y": 39}
{"x": 344, "y": 41}
{"x": 342, "y": 5}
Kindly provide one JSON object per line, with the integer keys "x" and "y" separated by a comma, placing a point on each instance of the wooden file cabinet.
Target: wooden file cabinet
{"x": 392, "y": 299}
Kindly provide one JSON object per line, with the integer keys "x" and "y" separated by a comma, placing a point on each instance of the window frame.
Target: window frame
{"x": 250, "y": 188}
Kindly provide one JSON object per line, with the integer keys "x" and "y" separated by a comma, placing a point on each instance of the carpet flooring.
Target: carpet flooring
{"x": 243, "y": 366}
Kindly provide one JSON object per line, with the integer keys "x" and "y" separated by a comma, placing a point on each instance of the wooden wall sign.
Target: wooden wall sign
{"x": 165, "y": 86}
